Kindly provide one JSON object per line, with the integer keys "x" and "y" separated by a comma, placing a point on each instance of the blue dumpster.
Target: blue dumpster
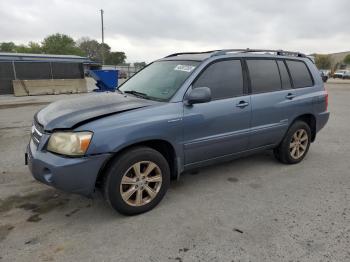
{"x": 106, "y": 80}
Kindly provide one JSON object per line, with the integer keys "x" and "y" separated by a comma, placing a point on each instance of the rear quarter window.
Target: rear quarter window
{"x": 300, "y": 74}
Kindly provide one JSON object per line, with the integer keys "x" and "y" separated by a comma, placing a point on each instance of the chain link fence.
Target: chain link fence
{"x": 125, "y": 71}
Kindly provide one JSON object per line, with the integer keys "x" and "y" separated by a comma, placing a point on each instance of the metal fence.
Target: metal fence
{"x": 6, "y": 77}
{"x": 125, "y": 71}
{"x": 36, "y": 70}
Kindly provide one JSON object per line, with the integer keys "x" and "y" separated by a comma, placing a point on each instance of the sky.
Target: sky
{"x": 150, "y": 29}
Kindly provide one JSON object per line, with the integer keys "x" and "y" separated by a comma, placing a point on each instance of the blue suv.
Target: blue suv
{"x": 181, "y": 112}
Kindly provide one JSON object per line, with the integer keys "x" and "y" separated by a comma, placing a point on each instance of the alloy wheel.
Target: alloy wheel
{"x": 298, "y": 144}
{"x": 141, "y": 183}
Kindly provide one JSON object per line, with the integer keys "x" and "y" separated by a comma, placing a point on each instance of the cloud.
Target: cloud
{"x": 147, "y": 30}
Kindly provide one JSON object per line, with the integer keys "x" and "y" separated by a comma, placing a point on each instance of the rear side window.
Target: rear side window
{"x": 299, "y": 73}
{"x": 224, "y": 78}
{"x": 264, "y": 75}
{"x": 285, "y": 80}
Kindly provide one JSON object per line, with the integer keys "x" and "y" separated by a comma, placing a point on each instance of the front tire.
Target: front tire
{"x": 295, "y": 144}
{"x": 137, "y": 180}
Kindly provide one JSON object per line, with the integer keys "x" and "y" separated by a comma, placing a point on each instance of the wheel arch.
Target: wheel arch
{"x": 162, "y": 146}
{"x": 310, "y": 119}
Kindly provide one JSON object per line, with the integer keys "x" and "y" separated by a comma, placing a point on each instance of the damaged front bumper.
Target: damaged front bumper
{"x": 74, "y": 175}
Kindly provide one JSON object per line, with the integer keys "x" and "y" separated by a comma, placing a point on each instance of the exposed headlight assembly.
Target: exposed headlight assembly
{"x": 69, "y": 143}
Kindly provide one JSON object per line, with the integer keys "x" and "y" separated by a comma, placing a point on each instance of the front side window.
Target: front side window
{"x": 264, "y": 75}
{"x": 299, "y": 73}
{"x": 224, "y": 78}
{"x": 160, "y": 80}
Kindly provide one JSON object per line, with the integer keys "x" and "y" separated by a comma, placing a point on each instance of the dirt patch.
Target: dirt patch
{"x": 4, "y": 231}
{"x": 34, "y": 218}
{"x": 40, "y": 202}
{"x": 29, "y": 206}
{"x": 179, "y": 259}
{"x": 32, "y": 241}
{"x": 185, "y": 249}
{"x": 255, "y": 185}
{"x": 238, "y": 230}
{"x": 58, "y": 249}
{"x": 72, "y": 212}
{"x": 232, "y": 179}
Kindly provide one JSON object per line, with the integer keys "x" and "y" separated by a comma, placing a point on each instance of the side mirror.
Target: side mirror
{"x": 198, "y": 95}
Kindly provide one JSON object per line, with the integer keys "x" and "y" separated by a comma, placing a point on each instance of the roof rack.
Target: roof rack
{"x": 192, "y": 53}
{"x": 247, "y": 50}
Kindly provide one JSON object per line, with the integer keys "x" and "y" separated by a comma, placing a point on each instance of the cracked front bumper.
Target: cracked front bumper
{"x": 74, "y": 175}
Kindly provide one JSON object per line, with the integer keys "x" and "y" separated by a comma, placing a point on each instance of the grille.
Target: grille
{"x": 37, "y": 133}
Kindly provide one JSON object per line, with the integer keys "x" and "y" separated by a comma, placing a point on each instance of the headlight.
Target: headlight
{"x": 69, "y": 143}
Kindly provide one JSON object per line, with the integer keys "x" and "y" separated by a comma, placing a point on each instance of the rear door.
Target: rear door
{"x": 221, "y": 126}
{"x": 269, "y": 87}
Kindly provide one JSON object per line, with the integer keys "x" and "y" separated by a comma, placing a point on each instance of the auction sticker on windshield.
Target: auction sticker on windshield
{"x": 185, "y": 68}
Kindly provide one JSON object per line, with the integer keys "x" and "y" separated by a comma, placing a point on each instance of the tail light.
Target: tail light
{"x": 326, "y": 100}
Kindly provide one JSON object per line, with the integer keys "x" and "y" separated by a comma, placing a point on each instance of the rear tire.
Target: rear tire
{"x": 295, "y": 144}
{"x": 137, "y": 180}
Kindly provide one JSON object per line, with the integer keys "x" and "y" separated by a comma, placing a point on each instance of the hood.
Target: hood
{"x": 72, "y": 112}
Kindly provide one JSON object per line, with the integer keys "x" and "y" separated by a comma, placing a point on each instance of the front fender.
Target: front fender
{"x": 116, "y": 132}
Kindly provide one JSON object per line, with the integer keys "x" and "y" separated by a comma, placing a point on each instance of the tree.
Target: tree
{"x": 35, "y": 48}
{"x": 90, "y": 47}
{"x": 347, "y": 59}
{"x": 94, "y": 50}
{"x": 22, "y": 49}
{"x": 32, "y": 47}
{"x": 60, "y": 44}
{"x": 323, "y": 61}
{"x": 115, "y": 58}
{"x": 105, "y": 50}
{"x": 336, "y": 66}
{"x": 7, "y": 47}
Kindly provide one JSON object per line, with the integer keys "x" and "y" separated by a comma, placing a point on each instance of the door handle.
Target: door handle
{"x": 290, "y": 96}
{"x": 242, "y": 104}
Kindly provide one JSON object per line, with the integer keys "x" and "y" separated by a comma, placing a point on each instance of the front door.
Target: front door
{"x": 220, "y": 127}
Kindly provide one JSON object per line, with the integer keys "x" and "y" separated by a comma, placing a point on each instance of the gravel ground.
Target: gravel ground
{"x": 251, "y": 209}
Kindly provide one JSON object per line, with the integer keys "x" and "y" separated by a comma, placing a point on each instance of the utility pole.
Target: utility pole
{"x": 103, "y": 38}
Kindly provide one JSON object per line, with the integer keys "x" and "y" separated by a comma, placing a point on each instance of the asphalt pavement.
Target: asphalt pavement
{"x": 250, "y": 209}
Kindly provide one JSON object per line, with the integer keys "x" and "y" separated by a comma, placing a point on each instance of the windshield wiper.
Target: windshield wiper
{"x": 136, "y": 93}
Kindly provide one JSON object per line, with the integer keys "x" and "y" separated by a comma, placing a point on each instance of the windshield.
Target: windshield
{"x": 160, "y": 80}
